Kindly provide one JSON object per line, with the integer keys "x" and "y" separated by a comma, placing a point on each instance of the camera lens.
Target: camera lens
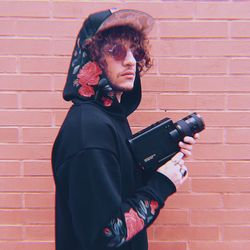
{"x": 190, "y": 125}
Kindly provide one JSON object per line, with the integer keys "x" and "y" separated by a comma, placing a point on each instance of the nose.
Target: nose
{"x": 129, "y": 59}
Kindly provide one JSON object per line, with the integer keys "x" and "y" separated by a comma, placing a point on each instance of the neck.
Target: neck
{"x": 118, "y": 96}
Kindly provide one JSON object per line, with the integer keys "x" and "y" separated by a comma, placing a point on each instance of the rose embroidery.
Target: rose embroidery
{"x": 89, "y": 74}
{"x": 88, "y": 77}
{"x": 107, "y": 102}
{"x": 134, "y": 223}
{"x": 153, "y": 205}
{"x": 86, "y": 91}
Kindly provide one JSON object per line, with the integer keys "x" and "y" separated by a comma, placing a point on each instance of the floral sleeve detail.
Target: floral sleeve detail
{"x": 135, "y": 219}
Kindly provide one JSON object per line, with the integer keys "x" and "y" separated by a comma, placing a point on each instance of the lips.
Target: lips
{"x": 128, "y": 73}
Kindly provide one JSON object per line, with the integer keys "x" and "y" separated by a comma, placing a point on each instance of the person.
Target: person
{"x": 103, "y": 199}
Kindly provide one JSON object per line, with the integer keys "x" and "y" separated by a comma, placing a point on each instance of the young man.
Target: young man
{"x": 103, "y": 199}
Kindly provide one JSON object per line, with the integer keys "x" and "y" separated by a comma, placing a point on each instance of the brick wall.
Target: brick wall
{"x": 201, "y": 55}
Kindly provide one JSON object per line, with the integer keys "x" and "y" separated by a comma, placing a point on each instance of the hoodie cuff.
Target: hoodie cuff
{"x": 162, "y": 185}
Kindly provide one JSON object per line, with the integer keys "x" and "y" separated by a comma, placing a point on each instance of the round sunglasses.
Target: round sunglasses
{"x": 119, "y": 52}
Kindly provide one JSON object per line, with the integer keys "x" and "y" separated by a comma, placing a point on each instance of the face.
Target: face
{"x": 120, "y": 66}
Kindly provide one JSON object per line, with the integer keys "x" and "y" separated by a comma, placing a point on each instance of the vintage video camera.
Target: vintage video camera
{"x": 156, "y": 144}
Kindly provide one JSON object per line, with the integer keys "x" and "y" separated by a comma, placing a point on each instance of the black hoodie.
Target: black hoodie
{"x": 102, "y": 199}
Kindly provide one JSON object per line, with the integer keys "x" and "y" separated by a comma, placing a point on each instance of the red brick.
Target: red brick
{"x": 25, "y": 118}
{"x": 145, "y": 118}
{"x": 173, "y": 47}
{"x": 27, "y": 245}
{"x": 169, "y": 84}
{"x": 193, "y": 29}
{"x": 41, "y": 232}
{"x": 223, "y": 10}
{"x": 24, "y": 152}
{"x": 19, "y": 46}
{"x": 221, "y": 185}
{"x": 239, "y": 201}
{"x": 172, "y": 217}
{"x": 192, "y": 101}
{"x": 194, "y": 201}
{"x": 240, "y": 29}
{"x": 59, "y": 82}
{"x": 205, "y": 168}
{"x": 192, "y": 66}
{"x": 48, "y": 28}
{"x": 238, "y": 102}
{"x": 239, "y": 66}
{"x": 222, "y": 245}
{"x": 63, "y": 47}
{"x": 7, "y": 27}
{"x": 9, "y": 200}
{"x": 26, "y": 184}
{"x": 39, "y": 168}
{"x": 41, "y": 135}
{"x": 43, "y": 100}
{"x": 221, "y": 48}
{"x": 25, "y": 9}
{"x": 220, "y": 84}
{"x": 150, "y": 232}
{"x": 44, "y": 64}
{"x": 238, "y": 168}
{"x": 59, "y": 116}
{"x": 25, "y": 82}
{"x": 238, "y": 135}
{"x": 160, "y": 245}
{"x": 10, "y": 233}
{"x": 27, "y": 216}
{"x": 182, "y": 233}
{"x": 149, "y": 101}
{"x": 8, "y": 101}
{"x": 220, "y": 217}
{"x": 237, "y": 233}
{"x": 211, "y": 135}
{"x": 81, "y": 10}
{"x": 39, "y": 200}
{"x": 226, "y": 119}
{"x": 9, "y": 168}
{"x": 7, "y": 64}
{"x": 221, "y": 152}
{"x": 8, "y": 135}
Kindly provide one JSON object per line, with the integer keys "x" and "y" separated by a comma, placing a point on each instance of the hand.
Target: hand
{"x": 186, "y": 146}
{"x": 174, "y": 169}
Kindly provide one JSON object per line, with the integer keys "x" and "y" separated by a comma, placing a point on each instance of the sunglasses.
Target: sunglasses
{"x": 119, "y": 52}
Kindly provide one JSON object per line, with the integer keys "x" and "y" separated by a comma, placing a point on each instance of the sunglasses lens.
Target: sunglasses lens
{"x": 119, "y": 52}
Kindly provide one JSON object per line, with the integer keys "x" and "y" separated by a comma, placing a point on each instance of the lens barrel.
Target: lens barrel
{"x": 190, "y": 125}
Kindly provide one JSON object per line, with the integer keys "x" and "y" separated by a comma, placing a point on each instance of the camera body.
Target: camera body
{"x": 158, "y": 143}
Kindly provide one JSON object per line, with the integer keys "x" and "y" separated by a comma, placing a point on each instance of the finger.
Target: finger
{"x": 197, "y": 136}
{"x": 185, "y": 146}
{"x": 177, "y": 157}
{"x": 186, "y": 152}
{"x": 189, "y": 140}
{"x": 181, "y": 163}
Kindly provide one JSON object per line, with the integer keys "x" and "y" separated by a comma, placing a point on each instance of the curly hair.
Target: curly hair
{"x": 137, "y": 39}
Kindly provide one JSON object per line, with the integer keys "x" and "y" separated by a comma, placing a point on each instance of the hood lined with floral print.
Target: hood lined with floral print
{"x": 84, "y": 75}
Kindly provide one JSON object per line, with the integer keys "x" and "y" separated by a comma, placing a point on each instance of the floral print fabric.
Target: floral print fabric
{"x": 135, "y": 219}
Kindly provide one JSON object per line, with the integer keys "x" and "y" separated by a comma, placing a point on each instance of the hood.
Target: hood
{"x": 81, "y": 69}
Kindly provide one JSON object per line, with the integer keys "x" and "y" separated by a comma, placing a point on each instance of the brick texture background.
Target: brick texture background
{"x": 201, "y": 53}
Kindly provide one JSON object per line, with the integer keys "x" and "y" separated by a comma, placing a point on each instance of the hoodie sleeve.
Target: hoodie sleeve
{"x": 98, "y": 212}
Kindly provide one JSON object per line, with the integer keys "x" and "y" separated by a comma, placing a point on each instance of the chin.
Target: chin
{"x": 125, "y": 86}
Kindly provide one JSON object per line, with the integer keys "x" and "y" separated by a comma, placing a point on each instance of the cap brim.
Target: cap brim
{"x": 137, "y": 19}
